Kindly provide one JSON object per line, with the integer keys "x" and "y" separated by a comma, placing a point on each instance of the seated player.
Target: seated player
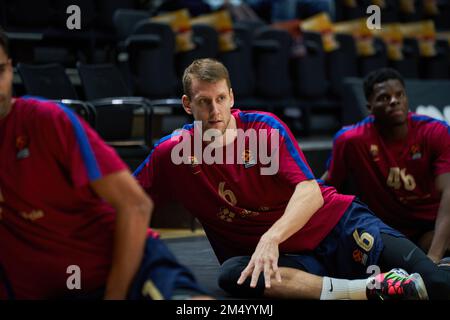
{"x": 399, "y": 162}
{"x": 243, "y": 175}
{"x": 73, "y": 220}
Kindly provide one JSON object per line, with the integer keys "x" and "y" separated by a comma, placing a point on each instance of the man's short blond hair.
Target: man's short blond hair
{"x": 209, "y": 70}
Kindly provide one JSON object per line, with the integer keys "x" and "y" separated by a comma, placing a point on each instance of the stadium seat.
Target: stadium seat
{"x": 413, "y": 16}
{"x": 342, "y": 63}
{"x": 114, "y": 120}
{"x": 389, "y": 13}
{"x": 49, "y": 81}
{"x": 205, "y": 39}
{"x": 104, "y": 86}
{"x": 151, "y": 49}
{"x": 39, "y": 34}
{"x": 275, "y": 71}
{"x": 273, "y": 79}
{"x": 102, "y": 81}
{"x": 151, "y": 52}
{"x": 148, "y": 60}
{"x": 239, "y": 63}
{"x": 119, "y": 125}
{"x": 345, "y": 12}
{"x": 377, "y": 61}
{"x": 436, "y": 67}
{"x": 124, "y": 21}
{"x": 107, "y": 8}
{"x": 309, "y": 70}
{"x": 409, "y": 65}
{"x": 318, "y": 79}
{"x": 82, "y": 109}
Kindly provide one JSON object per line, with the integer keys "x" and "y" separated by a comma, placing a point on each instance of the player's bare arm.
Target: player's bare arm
{"x": 133, "y": 215}
{"x": 441, "y": 238}
{"x": 305, "y": 201}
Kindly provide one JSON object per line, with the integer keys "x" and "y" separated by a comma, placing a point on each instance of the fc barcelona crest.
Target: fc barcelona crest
{"x": 374, "y": 152}
{"x": 248, "y": 159}
{"x": 22, "y": 143}
{"x": 193, "y": 162}
{"x": 415, "y": 152}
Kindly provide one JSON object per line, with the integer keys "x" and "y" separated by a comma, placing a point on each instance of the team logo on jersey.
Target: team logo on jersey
{"x": 33, "y": 215}
{"x": 415, "y": 152}
{"x": 226, "y": 215}
{"x": 22, "y": 147}
{"x": 248, "y": 159}
{"x": 360, "y": 257}
{"x": 247, "y": 213}
{"x": 193, "y": 162}
{"x": 374, "y": 152}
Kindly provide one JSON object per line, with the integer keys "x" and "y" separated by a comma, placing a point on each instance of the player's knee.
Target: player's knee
{"x": 438, "y": 284}
{"x": 229, "y": 274}
{"x": 230, "y": 271}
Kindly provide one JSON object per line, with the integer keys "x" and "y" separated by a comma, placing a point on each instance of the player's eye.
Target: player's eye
{"x": 383, "y": 98}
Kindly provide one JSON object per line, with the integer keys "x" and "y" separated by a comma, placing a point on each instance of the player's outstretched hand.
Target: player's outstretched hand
{"x": 264, "y": 259}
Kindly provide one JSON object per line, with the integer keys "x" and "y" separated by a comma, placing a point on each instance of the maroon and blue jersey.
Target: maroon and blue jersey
{"x": 50, "y": 218}
{"x": 396, "y": 179}
{"x": 235, "y": 203}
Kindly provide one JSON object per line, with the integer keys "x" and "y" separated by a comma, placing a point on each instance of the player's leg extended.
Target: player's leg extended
{"x": 353, "y": 248}
{"x": 403, "y": 253}
{"x": 296, "y": 283}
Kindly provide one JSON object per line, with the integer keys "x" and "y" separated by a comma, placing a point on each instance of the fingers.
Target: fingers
{"x": 245, "y": 273}
{"x": 252, "y": 269}
{"x": 267, "y": 273}
{"x": 255, "y": 275}
{"x": 270, "y": 268}
{"x": 276, "y": 270}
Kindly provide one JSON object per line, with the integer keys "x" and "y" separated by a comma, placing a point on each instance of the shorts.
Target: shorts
{"x": 161, "y": 276}
{"x": 354, "y": 244}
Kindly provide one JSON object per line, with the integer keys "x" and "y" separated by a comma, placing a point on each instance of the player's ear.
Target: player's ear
{"x": 232, "y": 98}
{"x": 186, "y": 104}
{"x": 369, "y": 104}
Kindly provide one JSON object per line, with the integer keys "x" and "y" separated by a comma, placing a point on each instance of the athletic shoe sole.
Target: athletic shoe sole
{"x": 420, "y": 286}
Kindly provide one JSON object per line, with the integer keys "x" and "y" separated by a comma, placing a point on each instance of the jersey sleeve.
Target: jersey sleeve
{"x": 293, "y": 167}
{"x": 151, "y": 178}
{"x": 337, "y": 164}
{"x": 78, "y": 148}
{"x": 440, "y": 145}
